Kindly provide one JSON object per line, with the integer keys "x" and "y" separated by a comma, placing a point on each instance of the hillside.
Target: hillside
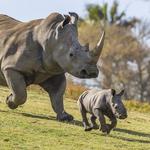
{"x": 33, "y": 126}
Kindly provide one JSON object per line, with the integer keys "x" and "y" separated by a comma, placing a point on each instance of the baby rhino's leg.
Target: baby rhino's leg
{"x": 113, "y": 123}
{"x": 84, "y": 117}
{"x": 85, "y": 121}
{"x": 101, "y": 118}
{"x": 93, "y": 122}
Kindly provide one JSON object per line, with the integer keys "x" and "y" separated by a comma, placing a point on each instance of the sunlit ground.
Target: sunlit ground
{"x": 33, "y": 126}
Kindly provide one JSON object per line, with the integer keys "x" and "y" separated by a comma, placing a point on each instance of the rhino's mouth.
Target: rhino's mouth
{"x": 122, "y": 116}
{"x": 85, "y": 74}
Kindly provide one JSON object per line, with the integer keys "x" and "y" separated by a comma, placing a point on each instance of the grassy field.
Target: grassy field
{"x": 34, "y": 127}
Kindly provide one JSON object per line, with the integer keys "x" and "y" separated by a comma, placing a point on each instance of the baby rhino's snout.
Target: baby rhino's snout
{"x": 123, "y": 115}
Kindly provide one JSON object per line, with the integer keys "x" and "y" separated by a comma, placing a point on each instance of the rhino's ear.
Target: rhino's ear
{"x": 121, "y": 93}
{"x": 74, "y": 17}
{"x": 113, "y": 92}
{"x": 66, "y": 20}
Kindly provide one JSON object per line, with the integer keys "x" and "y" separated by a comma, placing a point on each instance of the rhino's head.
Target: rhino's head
{"x": 70, "y": 55}
{"x": 117, "y": 106}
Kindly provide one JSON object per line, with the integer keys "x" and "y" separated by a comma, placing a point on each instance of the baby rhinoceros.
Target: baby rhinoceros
{"x": 100, "y": 103}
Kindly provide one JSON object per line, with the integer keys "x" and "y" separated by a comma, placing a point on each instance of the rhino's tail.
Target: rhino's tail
{"x": 81, "y": 97}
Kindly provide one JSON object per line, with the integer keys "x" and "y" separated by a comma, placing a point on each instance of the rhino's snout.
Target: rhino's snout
{"x": 87, "y": 74}
{"x": 83, "y": 72}
{"x": 123, "y": 116}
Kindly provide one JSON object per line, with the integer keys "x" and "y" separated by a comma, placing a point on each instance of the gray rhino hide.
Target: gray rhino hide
{"x": 40, "y": 52}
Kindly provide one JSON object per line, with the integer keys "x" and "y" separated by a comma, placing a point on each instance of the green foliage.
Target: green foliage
{"x": 113, "y": 11}
{"x": 104, "y": 9}
{"x": 109, "y": 15}
{"x": 114, "y": 15}
{"x": 121, "y": 51}
{"x": 95, "y": 12}
{"x": 138, "y": 106}
{"x": 100, "y": 12}
{"x": 73, "y": 91}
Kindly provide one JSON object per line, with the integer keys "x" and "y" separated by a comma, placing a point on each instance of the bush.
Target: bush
{"x": 73, "y": 91}
{"x": 135, "y": 105}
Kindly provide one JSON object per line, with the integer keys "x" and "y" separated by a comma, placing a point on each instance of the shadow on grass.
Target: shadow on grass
{"x": 130, "y": 139}
{"x": 31, "y": 115}
{"x": 38, "y": 116}
{"x": 132, "y": 132}
{"x": 3, "y": 111}
{"x": 140, "y": 134}
{"x": 79, "y": 123}
{"x": 122, "y": 138}
{"x": 74, "y": 122}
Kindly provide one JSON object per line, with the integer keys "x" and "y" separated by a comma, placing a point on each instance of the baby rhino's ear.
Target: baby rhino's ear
{"x": 113, "y": 92}
{"x": 66, "y": 20}
{"x": 121, "y": 93}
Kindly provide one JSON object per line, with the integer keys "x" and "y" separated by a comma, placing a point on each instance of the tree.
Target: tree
{"x": 102, "y": 13}
{"x": 126, "y": 61}
{"x": 125, "y": 57}
{"x": 142, "y": 60}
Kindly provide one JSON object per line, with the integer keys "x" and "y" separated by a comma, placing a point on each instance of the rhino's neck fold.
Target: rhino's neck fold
{"x": 49, "y": 64}
{"x": 45, "y": 36}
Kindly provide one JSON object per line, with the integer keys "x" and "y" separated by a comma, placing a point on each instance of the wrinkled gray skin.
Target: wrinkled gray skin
{"x": 100, "y": 103}
{"x": 41, "y": 52}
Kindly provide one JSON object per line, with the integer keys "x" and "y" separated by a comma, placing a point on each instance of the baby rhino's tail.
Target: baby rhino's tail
{"x": 81, "y": 97}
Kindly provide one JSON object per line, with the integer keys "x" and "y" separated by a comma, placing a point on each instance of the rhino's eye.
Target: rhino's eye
{"x": 71, "y": 54}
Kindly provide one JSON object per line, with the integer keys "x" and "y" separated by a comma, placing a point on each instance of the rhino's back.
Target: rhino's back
{"x": 14, "y": 34}
{"x": 94, "y": 98}
{"x": 7, "y": 22}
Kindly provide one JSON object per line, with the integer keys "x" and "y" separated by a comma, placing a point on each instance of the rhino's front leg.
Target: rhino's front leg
{"x": 102, "y": 121}
{"x": 113, "y": 122}
{"x": 55, "y": 86}
{"x": 93, "y": 122}
{"x": 17, "y": 85}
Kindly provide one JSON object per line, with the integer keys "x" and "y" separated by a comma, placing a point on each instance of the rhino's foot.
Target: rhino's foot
{"x": 10, "y": 103}
{"x": 106, "y": 129}
{"x": 88, "y": 129}
{"x": 64, "y": 117}
{"x": 109, "y": 128}
{"x": 95, "y": 127}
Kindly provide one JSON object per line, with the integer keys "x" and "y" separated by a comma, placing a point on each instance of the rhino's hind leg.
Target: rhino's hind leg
{"x": 83, "y": 112}
{"x": 17, "y": 85}
{"x": 85, "y": 121}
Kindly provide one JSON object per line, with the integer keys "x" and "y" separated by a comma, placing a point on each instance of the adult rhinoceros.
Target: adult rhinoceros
{"x": 40, "y": 52}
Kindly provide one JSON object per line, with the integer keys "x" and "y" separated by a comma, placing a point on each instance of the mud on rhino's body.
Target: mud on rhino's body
{"x": 40, "y": 52}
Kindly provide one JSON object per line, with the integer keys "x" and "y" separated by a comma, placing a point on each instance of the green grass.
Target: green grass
{"x": 34, "y": 127}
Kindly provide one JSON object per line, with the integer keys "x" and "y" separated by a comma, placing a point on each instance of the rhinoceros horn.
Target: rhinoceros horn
{"x": 98, "y": 49}
{"x": 74, "y": 17}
